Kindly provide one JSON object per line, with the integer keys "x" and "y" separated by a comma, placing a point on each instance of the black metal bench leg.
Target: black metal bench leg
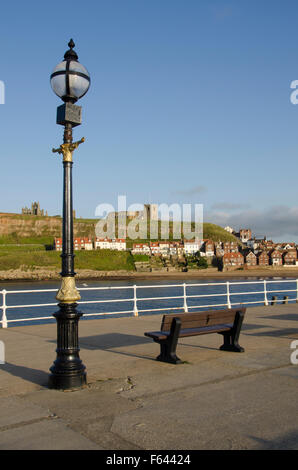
{"x": 168, "y": 346}
{"x": 231, "y": 338}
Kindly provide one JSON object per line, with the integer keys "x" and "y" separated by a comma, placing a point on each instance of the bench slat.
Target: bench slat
{"x": 160, "y": 335}
{"x": 204, "y": 330}
{"x": 201, "y": 322}
{"x": 200, "y": 319}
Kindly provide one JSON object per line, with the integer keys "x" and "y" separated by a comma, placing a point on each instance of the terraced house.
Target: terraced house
{"x": 118, "y": 244}
{"x": 209, "y": 248}
{"x": 251, "y": 259}
{"x": 233, "y": 259}
{"x": 275, "y": 258}
{"x": 219, "y": 249}
{"x": 290, "y": 258}
{"x": 83, "y": 243}
{"x": 263, "y": 258}
{"x": 141, "y": 248}
{"x": 192, "y": 246}
{"x": 230, "y": 247}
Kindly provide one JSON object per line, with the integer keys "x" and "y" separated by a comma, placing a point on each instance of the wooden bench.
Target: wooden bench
{"x": 174, "y": 326}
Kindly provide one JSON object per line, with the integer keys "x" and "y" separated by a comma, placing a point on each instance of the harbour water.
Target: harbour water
{"x": 242, "y": 291}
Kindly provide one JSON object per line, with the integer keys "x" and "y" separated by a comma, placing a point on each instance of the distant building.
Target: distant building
{"x": 141, "y": 248}
{"x": 289, "y": 247}
{"x": 275, "y": 258}
{"x": 173, "y": 249}
{"x": 229, "y": 229}
{"x": 254, "y": 244}
{"x": 251, "y": 259}
{"x": 164, "y": 248}
{"x": 233, "y": 259}
{"x": 263, "y": 258}
{"x": 209, "y": 248}
{"x": 290, "y": 258}
{"x": 83, "y": 243}
{"x": 102, "y": 243}
{"x": 35, "y": 210}
{"x": 230, "y": 247}
{"x": 192, "y": 246}
{"x": 124, "y": 215}
{"x": 245, "y": 234}
{"x": 154, "y": 247}
{"x": 118, "y": 244}
{"x": 58, "y": 244}
{"x": 268, "y": 244}
{"x": 219, "y": 249}
{"x": 150, "y": 212}
{"x": 178, "y": 250}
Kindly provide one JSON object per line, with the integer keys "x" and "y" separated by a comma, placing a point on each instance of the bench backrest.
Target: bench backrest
{"x": 200, "y": 319}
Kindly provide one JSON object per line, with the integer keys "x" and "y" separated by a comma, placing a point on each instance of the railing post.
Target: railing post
{"x": 4, "y": 318}
{"x": 135, "y": 307}
{"x": 185, "y": 307}
{"x": 265, "y": 294}
{"x": 296, "y": 291}
{"x": 228, "y": 295}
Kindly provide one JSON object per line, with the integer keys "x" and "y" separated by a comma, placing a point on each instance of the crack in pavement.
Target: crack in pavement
{"x": 27, "y": 423}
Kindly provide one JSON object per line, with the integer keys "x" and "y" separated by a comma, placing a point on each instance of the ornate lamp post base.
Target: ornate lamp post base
{"x": 68, "y": 371}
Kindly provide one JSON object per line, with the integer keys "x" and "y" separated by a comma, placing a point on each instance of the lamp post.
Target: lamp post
{"x": 70, "y": 81}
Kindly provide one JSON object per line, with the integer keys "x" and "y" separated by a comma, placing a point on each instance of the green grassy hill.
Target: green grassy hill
{"x": 25, "y": 242}
{"x": 217, "y": 233}
{"x": 27, "y": 260}
{"x": 26, "y": 229}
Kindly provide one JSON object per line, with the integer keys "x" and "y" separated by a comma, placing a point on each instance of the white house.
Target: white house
{"x": 102, "y": 243}
{"x": 83, "y": 243}
{"x": 118, "y": 244}
{"x": 173, "y": 249}
{"x": 192, "y": 246}
{"x": 88, "y": 244}
{"x": 164, "y": 248}
{"x": 155, "y": 248}
{"x": 141, "y": 248}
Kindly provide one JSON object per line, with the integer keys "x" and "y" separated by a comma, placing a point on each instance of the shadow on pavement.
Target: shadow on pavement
{"x": 36, "y": 376}
{"x": 286, "y": 316}
{"x": 112, "y": 340}
{"x": 287, "y": 442}
{"x": 285, "y": 333}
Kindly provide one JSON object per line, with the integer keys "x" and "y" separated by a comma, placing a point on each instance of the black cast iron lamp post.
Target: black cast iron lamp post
{"x": 70, "y": 81}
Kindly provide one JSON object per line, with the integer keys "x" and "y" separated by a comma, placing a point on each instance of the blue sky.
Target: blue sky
{"x": 189, "y": 103}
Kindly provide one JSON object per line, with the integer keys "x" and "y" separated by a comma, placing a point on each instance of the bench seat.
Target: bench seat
{"x": 174, "y": 326}
{"x": 162, "y": 335}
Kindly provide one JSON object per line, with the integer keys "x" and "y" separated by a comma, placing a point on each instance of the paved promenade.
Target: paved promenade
{"x": 215, "y": 400}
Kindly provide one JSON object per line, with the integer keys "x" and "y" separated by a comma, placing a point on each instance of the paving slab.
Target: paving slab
{"x": 13, "y": 412}
{"x": 214, "y": 400}
{"x": 44, "y": 435}
{"x": 235, "y": 414}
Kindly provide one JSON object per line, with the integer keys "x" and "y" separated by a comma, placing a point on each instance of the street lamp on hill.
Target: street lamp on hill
{"x": 70, "y": 81}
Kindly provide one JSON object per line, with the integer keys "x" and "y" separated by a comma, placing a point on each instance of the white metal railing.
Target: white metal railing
{"x": 136, "y": 301}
